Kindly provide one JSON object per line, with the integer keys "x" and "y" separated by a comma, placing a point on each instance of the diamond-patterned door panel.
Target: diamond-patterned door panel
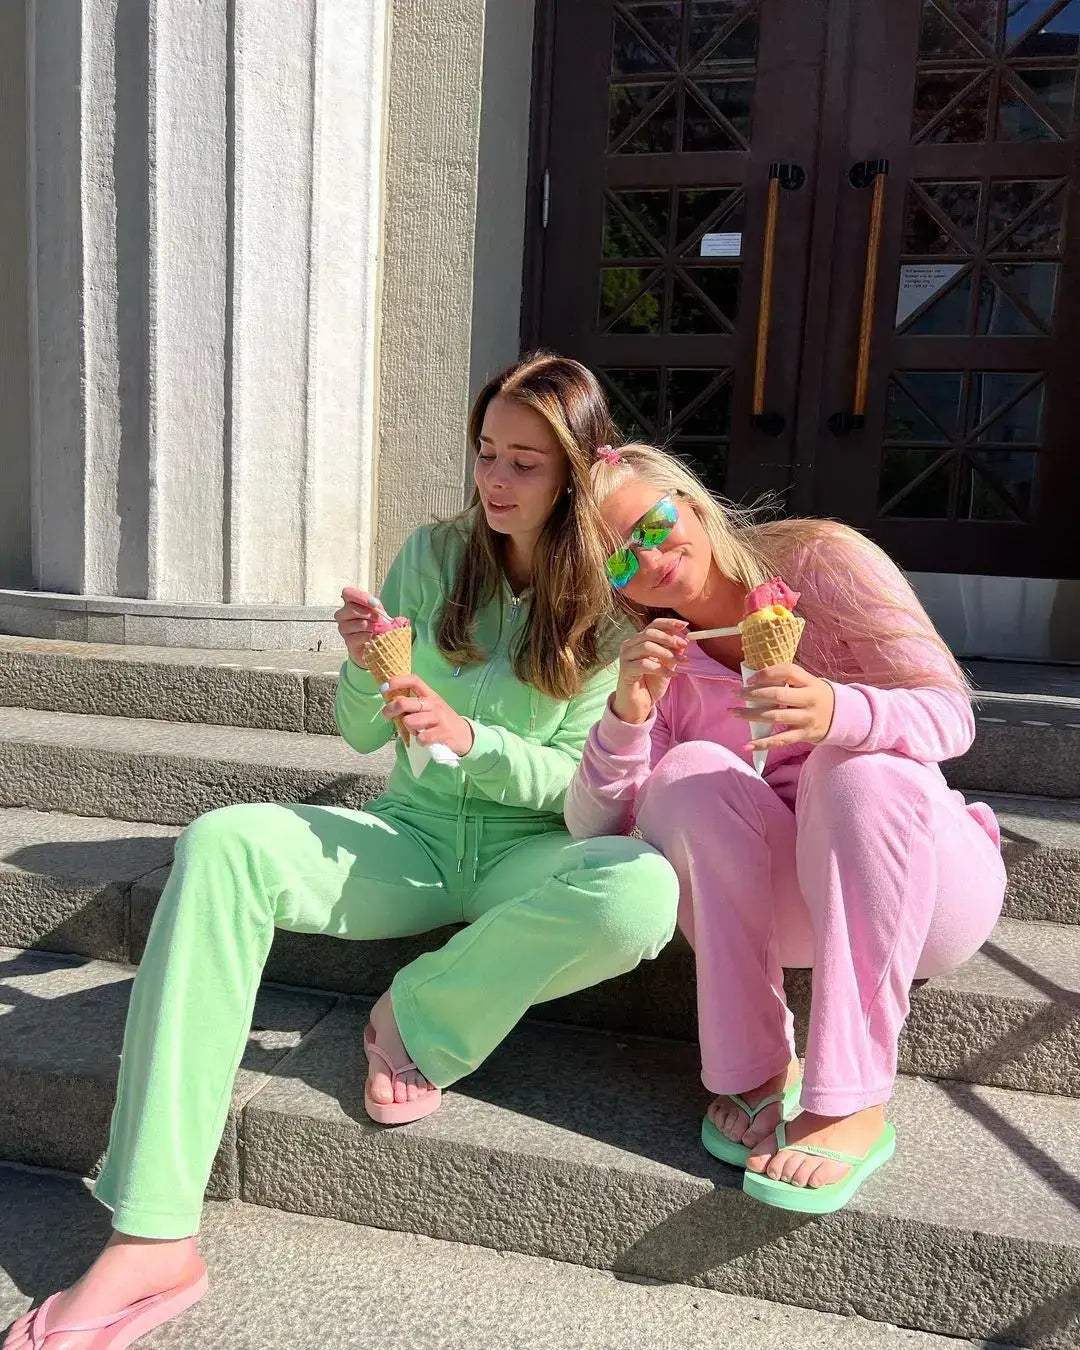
{"x": 961, "y": 446}
{"x": 663, "y": 268}
{"x": 685, "y": 408}
{"x": 996, "y": 70}
{"x": 981, "y": 259}
{"x": 682, "y": 76}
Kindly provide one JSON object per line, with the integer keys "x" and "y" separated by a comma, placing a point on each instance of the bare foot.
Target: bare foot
{"x": 732, "y": 1121}
{"x": 127, "y": 1270}
{"x": 407, "y": 1087}
{"x": 853, "y": 1134}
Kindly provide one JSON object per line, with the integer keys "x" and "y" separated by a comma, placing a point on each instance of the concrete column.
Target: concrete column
{"x": 436, "y": 80}
{"x": 206, "y": 203}
{"x": 457, "y": 162}
{"x": 15, "y": 475}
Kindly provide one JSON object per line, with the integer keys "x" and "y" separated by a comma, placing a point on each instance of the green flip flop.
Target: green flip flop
{"x": 729, "y": 1150}
{"x": 820, "y": 1199}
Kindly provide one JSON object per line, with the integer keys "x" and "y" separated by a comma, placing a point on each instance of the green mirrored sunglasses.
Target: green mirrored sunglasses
{"x": 650, "y": 532}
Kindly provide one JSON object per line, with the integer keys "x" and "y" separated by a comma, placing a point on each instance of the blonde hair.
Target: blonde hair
{"x": 751, "y": 551}
{"x": 570, "y": 626}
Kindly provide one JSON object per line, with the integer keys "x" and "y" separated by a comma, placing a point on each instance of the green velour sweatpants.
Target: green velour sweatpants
{"x": 546, "y": 914}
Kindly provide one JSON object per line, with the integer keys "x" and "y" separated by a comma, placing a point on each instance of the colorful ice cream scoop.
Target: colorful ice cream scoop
{"x": 770, "y": 595}
{"x": 770, "y": 631}
{"x": 385, "y": 624}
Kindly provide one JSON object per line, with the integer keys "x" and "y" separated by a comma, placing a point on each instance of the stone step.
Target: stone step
{"x": 464, "y": 1297}
{"x": 1009, "y": 1018}
{"x": 170, "y": 772}
{"x": 271, "y": 691}
{"x": 1028, "y": 716}
{"x": 583, "y": 1148}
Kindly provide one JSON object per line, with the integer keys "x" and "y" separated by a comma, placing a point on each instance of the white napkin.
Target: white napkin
{"x": 420, "y": 756}
{"x": 757, "y": 729}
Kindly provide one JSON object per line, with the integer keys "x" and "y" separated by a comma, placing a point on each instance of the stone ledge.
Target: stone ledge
{"x": 120, "y": 620}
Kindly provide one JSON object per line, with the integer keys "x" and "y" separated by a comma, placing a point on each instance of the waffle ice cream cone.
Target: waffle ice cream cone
{"x": 388, "y": 654}
{"x": 770, "y": 637}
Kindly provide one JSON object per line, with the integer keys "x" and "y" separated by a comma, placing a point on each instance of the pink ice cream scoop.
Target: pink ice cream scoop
{"x": 386, "y": 625}
{"x": 771, "y": 593}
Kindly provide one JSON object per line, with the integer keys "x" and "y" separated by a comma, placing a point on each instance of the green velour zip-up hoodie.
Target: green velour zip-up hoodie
{"x": 526, "y": 746}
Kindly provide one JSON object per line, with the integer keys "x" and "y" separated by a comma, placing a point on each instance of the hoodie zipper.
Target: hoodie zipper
{"x": 515, "y": 610}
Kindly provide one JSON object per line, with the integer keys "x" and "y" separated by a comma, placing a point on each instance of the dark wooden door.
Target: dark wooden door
{"x": 967, "y": 459}
{"x": 665, "y": 119}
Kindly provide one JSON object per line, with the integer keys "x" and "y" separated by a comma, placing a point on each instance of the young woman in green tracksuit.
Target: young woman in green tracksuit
{"x": 512, "y": 658}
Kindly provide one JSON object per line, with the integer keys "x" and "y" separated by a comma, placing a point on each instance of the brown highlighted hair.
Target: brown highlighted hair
{"x": 569, "y": 624}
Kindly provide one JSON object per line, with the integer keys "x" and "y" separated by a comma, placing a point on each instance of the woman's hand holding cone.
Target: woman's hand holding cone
{"x": 792, "y": 697}
{"x": 425, "y": 715}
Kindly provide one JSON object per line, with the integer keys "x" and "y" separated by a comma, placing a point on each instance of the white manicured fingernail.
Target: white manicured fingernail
{"x": 384, "y": 688}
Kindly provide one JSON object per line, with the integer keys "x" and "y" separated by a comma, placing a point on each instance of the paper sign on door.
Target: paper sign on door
{"x": 920, "y": 282}
{"x": 721, "y": 245}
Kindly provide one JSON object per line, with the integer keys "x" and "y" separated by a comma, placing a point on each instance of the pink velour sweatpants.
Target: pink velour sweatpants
{"x": 878, "y": 876}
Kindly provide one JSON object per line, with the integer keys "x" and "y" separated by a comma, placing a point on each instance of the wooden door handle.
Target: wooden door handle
{"x": 867, "y": 173}
{"x": 791, "y": 177}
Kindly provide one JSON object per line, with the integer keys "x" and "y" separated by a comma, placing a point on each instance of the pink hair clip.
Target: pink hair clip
{"x": 609, "y": 455}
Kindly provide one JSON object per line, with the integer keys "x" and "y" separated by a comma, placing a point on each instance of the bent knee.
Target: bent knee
{"x": 856, "y": 770}
{"x": 227, "y": 826}
{"x": 689, "y": 785}
{"x": 637, "y": 904}
{"x": 850, "y": 789}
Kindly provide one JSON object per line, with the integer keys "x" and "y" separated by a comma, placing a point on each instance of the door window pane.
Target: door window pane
{"x": 710, "y": 17}
{"x": 657, "y": 134}
{"x": 1020, "y": 424}
{"x": 707, "y": 209}
{"x": 1041, "y": 230}
{"x": 699, "y": 402}
{"x": 690, "y": 310}
{"x": 621, "y": 290}
{"x": 1020, "y": 15}
{"x": 1035, "y": 284}
{"x": 632, "y": 54}
{"x": 1038, "y": 106}
{"x": 906, "y": 421}
{"x": 738, "y": 48}
{"x": 958, "y": 203}
{"x": 998, "y": 316}
{"x": 660, "y": 19}
{"x": 1059, "y": 36}
{"x": 997, "y": 485}
{"x": 995, "y": 391}
{"x": 948, "y": 316}
{"x": 635, "y": 400}
{"x": 940, "y": 392}
{"x": 636, "y": 223}
{"x": 905, "y": 493}
{"x": 703, "y": 129}
{"x": 939, "y": 38}
{"x": 966, "y": 122}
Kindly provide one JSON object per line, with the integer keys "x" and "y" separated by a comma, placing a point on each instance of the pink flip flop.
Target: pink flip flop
{"x": 395, "y": 1113}
{"x": 121, "y": 1328}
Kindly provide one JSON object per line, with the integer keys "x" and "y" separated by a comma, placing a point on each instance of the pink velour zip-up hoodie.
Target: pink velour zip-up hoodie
{"x": 928, "y": 724}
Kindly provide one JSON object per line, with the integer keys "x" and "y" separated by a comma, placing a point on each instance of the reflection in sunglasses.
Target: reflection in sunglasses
{"x": 649, "y": 532}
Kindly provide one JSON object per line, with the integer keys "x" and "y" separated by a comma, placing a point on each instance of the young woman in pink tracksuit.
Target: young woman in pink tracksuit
{"x": 849, "y": 854}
